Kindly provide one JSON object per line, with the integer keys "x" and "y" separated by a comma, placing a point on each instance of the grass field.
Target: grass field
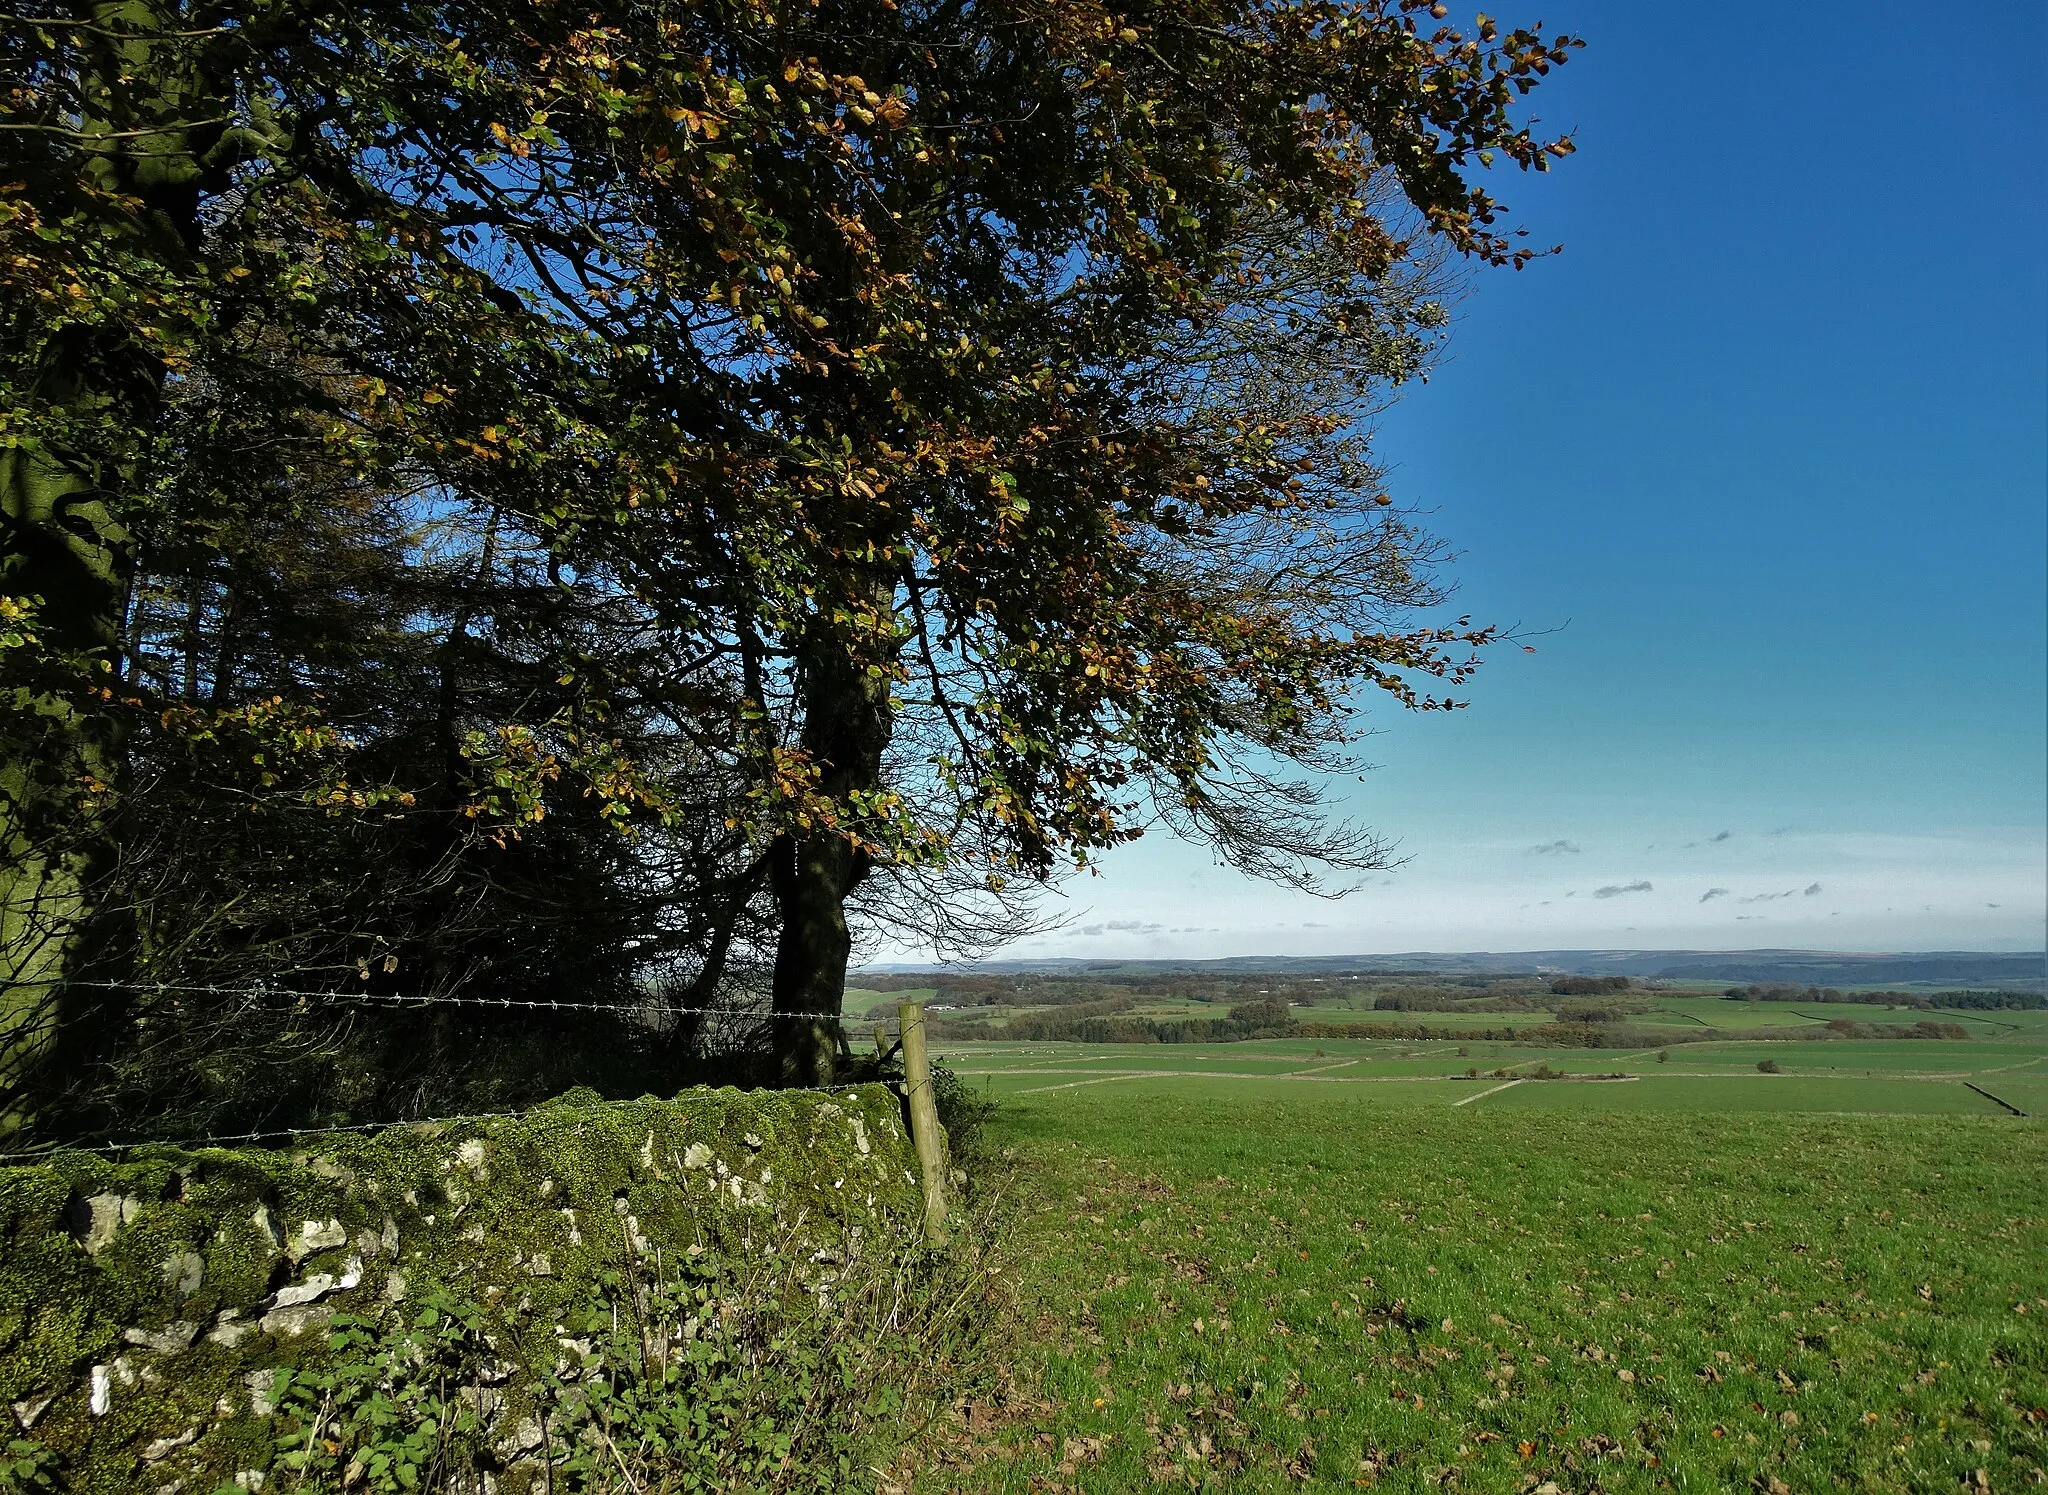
{"x": 860, "y": 1002}
{"x": 1881, "y": 1077}
{"x": 1673, "y": 1016}
{"x": 1333, "y": 1265}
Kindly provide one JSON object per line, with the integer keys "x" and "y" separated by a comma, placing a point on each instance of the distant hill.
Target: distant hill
{"x": 1814, "y": 968}
{"x": 1974, "y": 968}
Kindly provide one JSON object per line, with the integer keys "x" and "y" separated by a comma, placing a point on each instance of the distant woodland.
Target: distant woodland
{"x": 1605, "y": 1011}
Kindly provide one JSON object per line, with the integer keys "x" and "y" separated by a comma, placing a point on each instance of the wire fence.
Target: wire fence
{"x": 227, "y": 1138}
{"x": 874, "y": 1024}
{"x": 401, "y": 999}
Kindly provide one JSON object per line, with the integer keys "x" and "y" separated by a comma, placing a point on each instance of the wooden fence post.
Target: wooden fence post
{"x": 925, "y": 1132}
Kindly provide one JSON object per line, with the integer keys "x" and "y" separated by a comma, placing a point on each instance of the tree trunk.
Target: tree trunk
{"x": 812, "y": 876}
{"x": 63, "y": 540}
{"x": 59, "y": 757}
{"x": 846, "y": 727}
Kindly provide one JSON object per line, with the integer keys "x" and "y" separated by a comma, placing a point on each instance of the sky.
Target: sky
{"x": 1762, "y": 459}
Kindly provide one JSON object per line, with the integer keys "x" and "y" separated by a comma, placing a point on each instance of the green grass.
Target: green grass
{"x": 1898, "y": 1077}
{"x": 2030, "y": 1096}
{"x": 860, "y": 1002}
{"x": 1754, "y": 1092}
{"x": 1695, "y": 1282}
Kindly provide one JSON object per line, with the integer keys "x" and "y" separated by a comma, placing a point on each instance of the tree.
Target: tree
{"x": 96, "y": 245}
{"x": 936, "y": 422}
{"x": 1049, "y": 325}
{"x": 279, "y": 598}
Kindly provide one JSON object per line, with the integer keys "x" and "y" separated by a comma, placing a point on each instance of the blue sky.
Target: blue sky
{"x": 1768, "y": 441}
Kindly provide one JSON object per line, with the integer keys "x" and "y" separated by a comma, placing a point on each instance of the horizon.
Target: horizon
{"x": 1590, "y": 950}
{"x": 1622, "y": 952}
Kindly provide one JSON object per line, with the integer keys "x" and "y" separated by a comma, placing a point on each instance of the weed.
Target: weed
{"x": 961, "y": 1112}
{"x": 28, "y": 1468}
{"x": 391, "y": 1414}
{"x": 790, "y": 1372}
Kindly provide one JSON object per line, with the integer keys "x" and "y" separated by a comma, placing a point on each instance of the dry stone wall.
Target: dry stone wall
{"x": 148, "y": 1306}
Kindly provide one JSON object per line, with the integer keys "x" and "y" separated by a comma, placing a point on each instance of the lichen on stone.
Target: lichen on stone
{"x": 148, "y": 1305}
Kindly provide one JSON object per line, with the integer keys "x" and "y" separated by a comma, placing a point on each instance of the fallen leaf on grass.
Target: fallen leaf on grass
{"x": 1080, "y": 1451}
{"x": 1302, "y": 1465}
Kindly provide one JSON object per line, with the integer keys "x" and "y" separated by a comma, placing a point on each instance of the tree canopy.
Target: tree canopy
{"x": 575, "y": 495}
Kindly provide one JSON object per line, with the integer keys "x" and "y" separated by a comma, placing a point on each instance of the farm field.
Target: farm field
{"x": 860, "y": 1002}
{"x": 1887, "y": 1077}
{"x": 1248, "y": 1278}
{"x": 1513, "y": 1007}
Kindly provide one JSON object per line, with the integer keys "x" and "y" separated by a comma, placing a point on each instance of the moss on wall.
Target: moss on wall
{"x": 146, "y": 1305}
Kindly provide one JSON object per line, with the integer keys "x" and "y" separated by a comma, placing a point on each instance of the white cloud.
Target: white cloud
{"x": 1981, "y": 889}
{"x": 1615, "y": 890}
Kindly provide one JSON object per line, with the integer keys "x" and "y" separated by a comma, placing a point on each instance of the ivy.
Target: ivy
{"x": 28, "y": 1468}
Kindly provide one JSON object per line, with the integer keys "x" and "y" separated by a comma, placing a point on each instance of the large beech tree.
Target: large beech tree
{"x": 960, "y": 400}
{"x": 1047, "y": 327}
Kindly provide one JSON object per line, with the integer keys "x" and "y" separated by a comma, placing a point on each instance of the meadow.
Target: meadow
{"x": 1342, "y": 1264}
{"x": 1822, "y": 1074}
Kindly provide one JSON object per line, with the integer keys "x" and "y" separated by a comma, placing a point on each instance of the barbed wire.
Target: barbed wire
{"x": 398, "y": 999}
{"x": 213, "y": 1139}
{"x": 10, "y": 1159}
